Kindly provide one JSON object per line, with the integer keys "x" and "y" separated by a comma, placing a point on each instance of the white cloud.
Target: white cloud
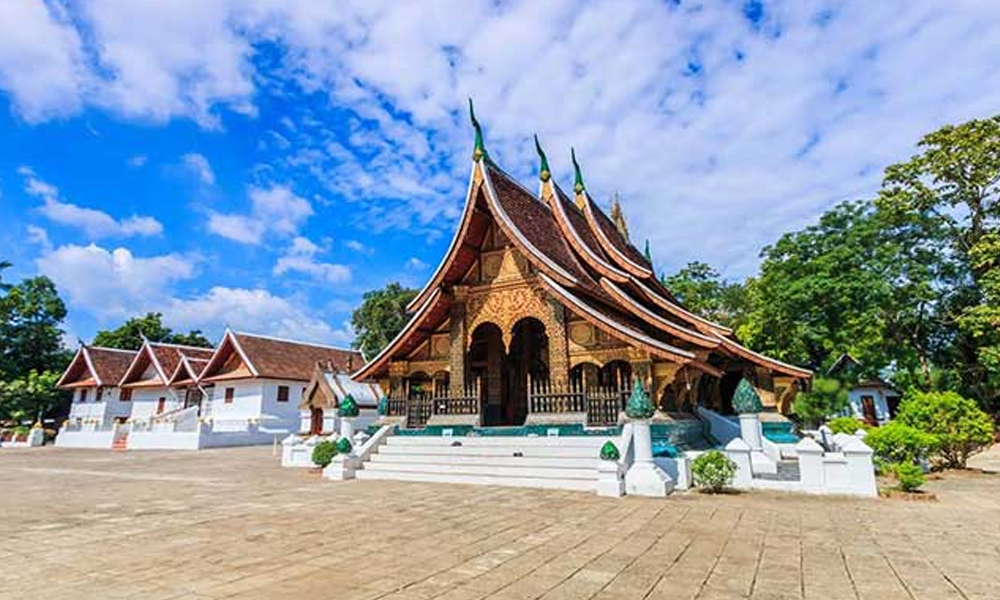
{"x": 137, "y": 161}
{"x": 41, "y": 59}
{"x": 113, "y": 283}
{"x": 275, "y": 210}
{"x": 254, "y": 310}
{"x": 37, "y": 235}
{"x": 301, "y": 258}
{"x": 95, "y": 223}
{"x": 415, "y": 264}
{"x": 200, "y": 167}
{"x": 358, "y": 247}
{"x": 719, "y": 133}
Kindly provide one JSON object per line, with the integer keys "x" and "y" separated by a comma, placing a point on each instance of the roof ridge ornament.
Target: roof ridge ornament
{"x": 578, "y": 186}
{"x": 479, "y": 151}
{"x": 544, "y": 173}
{"x": 618, "y": 217}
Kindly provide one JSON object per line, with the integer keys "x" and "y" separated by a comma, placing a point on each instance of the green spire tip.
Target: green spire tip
{"x": 544, "y": 173}
{"x": 480, "y": 147}
{"x": 578, "y": 186}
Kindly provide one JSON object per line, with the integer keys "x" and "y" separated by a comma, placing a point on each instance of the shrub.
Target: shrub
{"x": 909, "y": 476}
{"x": 713, "y": 471}
{"x": 845, "y": 425}
{"x": 897, "y": 442}
{"x": 961, "y": 428}
{"x": 324, "y": 452}
{"x": 827, "y": 397}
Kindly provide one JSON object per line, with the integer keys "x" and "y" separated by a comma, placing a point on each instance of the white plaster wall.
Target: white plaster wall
{"x": 144, "y": 401}
{"x": 257, "y": 399}
{"x": 109, "y": 407}
{"x": 85, "y": 439}
{"x": 877, "y": 394}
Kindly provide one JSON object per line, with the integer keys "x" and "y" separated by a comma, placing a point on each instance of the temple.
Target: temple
{"x": 542, "y": 311}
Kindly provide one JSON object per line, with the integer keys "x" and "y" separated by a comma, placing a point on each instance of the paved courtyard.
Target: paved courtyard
{"x": 233, "y": 524}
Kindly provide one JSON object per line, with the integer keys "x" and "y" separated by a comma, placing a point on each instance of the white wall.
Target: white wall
{"x": 108, "y": 408}
{"x": 257, "y": 399}
{"x": 145, "y": 400}
{"x": 879, "y": 395}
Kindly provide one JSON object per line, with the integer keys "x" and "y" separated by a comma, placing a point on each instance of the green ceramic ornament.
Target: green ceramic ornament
{"x": 609, "y": 451}
{"x": 344, "y": 446}
{"x": 348, "y": 407}
{"x": 745, "y": 399}
{"x": 383, "y": 406}
{"x": 639, "y": 407}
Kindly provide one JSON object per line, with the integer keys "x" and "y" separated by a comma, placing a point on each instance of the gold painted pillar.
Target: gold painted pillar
{"x": 459, "y": 342}
{"x": 555, "y": 329}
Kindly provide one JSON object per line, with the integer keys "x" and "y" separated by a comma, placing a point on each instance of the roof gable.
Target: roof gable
{"x": 96, "y": 366}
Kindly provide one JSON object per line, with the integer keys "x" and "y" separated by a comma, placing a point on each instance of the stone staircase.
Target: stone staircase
{"x": 558, "y": 462}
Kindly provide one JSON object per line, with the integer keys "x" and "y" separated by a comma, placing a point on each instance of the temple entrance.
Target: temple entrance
{"x": 503, "y": 376}
{"x": 315, "y": 420}
{"x": 528, "y": 360}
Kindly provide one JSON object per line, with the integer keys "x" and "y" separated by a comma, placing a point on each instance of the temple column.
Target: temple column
{"x": 555, "y": 329}
{"x": 459, "y": 343}
{"x": 397, "y": 371}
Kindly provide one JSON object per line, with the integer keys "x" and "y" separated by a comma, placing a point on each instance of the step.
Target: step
{"x": 484, "y": 470}
{"x": 497, "y": 461}
{"x": 526, "y": 451}
{"x": 491, "y": 441}
{"x": 533, "y": 482}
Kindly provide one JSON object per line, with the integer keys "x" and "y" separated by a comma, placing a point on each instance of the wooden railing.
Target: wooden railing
{"x": 555, "y": 398}
{"x": 601, "y": 405}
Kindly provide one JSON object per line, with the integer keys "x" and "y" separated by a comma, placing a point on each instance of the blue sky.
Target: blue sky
{"x": 262, "y": 163}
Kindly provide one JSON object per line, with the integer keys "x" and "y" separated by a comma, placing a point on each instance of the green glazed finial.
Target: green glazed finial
{"x": 578, "y": 186}
{"x": 383, "y": 406}
{"x": 344, "y": 446}
{"x": 639, "y": 407}
{"x": 745, "y": 399}
{"x": 544, "y": 173}
{"x": 609, "y": 451}
{"x": 480, "y": 148}
{"x": 348, "y": 407}
{"x": 649, "y": 255}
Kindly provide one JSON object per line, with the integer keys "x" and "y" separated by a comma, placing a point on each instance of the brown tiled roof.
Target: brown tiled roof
{"x": 536, "y": 223}
{"x": 110, "y": 364}
{"x": 169, "y": 355}
{"x": 284, "y": 359}
{"x": 615, "y": 237}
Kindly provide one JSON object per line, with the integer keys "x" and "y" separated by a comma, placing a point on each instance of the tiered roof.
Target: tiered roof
{"x": 94, "y": 366}
{"x": 166, "y": 361}
{"x": 584, "y": 259}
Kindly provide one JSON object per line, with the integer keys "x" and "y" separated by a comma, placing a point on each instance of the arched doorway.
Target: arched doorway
{"x": 616, "y": 374}
{"x": 486, "y": 366}
{"x": 585, "y": 375}
{"x": 528, "y": 359}
{"x": 315, "y": 420}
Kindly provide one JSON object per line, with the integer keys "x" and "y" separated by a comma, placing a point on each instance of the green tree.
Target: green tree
{"x": 31, "y": 313}
{"x": 128, "y": 336}
{"x": 4, "y": 265}
{"x": 34, "y": 394}
{"x": 950, "y": 193}
{"x": 380, "y": 317}
{"x": 702, "y": 290}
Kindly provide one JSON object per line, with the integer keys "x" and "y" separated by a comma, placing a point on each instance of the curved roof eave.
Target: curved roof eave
{"x": 418, "y": 316}
{"x": 456, "y": 239}
{"x": 766, "y": 361}
{"x": 679, "y": 311}
{"x": 656, "y": 320}
{"x": 582, "y": 248}
{"x": 608, "y": 246}
{"x": 533, "y": 254}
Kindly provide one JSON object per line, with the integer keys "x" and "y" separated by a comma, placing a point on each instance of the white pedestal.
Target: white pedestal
{"x": 644, "y": 478}
{"x": 609, "y": 479}
{"x": 738, "y": 451}
{"x": 750, "y": 431}
{"x": 341, "y": 468}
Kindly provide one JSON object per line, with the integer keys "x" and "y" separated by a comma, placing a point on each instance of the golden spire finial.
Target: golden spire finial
{"x": 618, "y": 217}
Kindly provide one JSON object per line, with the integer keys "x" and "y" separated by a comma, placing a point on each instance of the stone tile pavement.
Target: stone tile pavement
{"x": 230, "y": 523}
